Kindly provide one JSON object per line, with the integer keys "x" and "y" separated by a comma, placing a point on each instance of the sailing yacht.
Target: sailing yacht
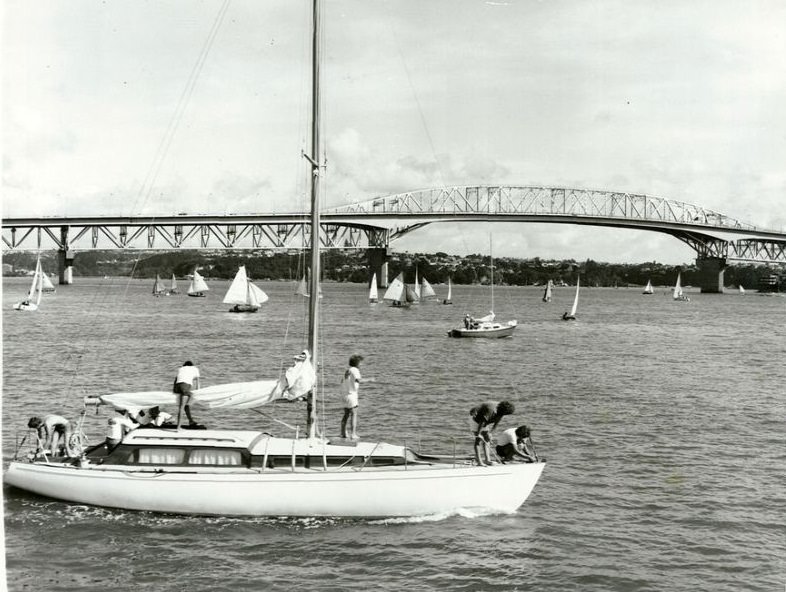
{"x": 399, "y": 294}
{"x": 33, "y": 299}
{"x": 250, "y": 472}
{"x": 198, "y": 286}
{"x": 244, "y": 294}
{"x": 373, "y": 291}
{"x": 648, "y": 288}
{"x": 678, "y": 294}
{"x": 547, "y": 291}
{"x": 571, "y": 316}
{"x": 47, "y": 287}
{"x": 173, "y": 286}
{"x": 158, "y": 287}
{"x": 486, "y": 327}
{"x": 426, "y": 289}
{"x": 449, "y": 299}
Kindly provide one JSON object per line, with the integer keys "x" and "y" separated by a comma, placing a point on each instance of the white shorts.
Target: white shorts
{"x": 350, "y": 401}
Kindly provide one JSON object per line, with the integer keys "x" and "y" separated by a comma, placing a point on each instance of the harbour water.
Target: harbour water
{"x": 663, "y": 425}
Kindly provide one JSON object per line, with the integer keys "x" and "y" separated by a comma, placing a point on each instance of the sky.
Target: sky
{"x": 155, "y": 107}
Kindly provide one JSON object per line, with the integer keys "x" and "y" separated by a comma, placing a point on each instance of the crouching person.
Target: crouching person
{"x": 117, "y": 427}
{"x": 54, "y": 432}
{"x": 515, "y": 443}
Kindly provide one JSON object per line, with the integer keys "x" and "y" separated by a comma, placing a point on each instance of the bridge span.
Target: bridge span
{"x": 375, "y": 224}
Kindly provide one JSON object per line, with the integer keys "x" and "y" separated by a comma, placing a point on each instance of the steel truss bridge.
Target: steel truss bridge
{"x": 377, "y": 223}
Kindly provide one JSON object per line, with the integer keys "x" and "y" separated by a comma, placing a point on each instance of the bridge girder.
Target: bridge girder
{"x": 375, "y": 223}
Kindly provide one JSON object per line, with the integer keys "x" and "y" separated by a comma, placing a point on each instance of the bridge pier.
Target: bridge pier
{"x": 711, "y": 274}
{"x": 65, "y": 264}
{"x": 378, "y": 264}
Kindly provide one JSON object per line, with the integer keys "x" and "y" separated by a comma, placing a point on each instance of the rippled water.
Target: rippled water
{"x": 662, "y": 422}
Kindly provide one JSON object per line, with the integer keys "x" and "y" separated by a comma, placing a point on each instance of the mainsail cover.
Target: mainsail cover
{"x": 296, "y": 382}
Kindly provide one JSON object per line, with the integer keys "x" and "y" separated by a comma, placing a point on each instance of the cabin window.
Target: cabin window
{"x": 215, "y": 457}
{"x": 160, "y": 456}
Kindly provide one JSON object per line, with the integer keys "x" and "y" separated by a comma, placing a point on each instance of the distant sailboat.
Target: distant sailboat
{"x": 648, "y": 288}
{"x": 571, "y": 316}
{"x": 742, "y": 290}
{"x": 33, "y": 299}
{"x": 449, "y": 300}
{"x": 173, "y": 286}
{"x": 398, "y": 293}
{"x": 485, "y": 327}
{"x": 245, "y": 296}
{"x": 197, "y": 287}
{"x": 373, "y": 292}
{"x": 302, "y": 288}
{"x": 547, "y": 291}
{"x": 158, "y": 287}
{"x": 46, "y": 284}
{"x": 678, "y": 295}
{"x": 426, "y": 290}
{"x": 416, "y": 288}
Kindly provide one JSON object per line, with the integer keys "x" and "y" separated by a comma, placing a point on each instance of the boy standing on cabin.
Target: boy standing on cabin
{"x": 351, "y": 382}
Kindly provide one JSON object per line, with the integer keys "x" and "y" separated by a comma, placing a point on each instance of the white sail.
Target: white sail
{"x": 33, "y": 298}
{"x": 416, "y": 288}
{"x": 547, "y": 291}
{"x": 489, "y": 318}
{"x": 426, "y": 291}
{"x": 373, "y": 292}
{"x": 302, "y": 287}
{"x": 396, "y": 289}
{"x": 742, "y": 290}
{"x": 173, "y": 285}
{"x": 677, "y": 289}
{"x": 575, "y": 299}
{"x": 450, "y": 290}
{"x": 46, "y": 283}
{"x": 243, "y": 291}
{"x": 158, "y": 286}
{"x": 197, "y": 284}
{"x": 648, "y": 288}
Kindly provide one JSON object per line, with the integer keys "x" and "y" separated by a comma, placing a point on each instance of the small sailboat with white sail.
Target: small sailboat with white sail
{"x": 547, "y": 291}
{"x": 678, "y": 294}
{"x": 741, "y": 290}
{"x": 399, "y": 294}
{"x": 244, "y": 294}
{"x": 486, "y": 327}
{"x": 449, "y": 299}
{"x": 302, "y": 287}
{"x": 648, "y": 288}
{"x": 571, "y": 316}
{"x": 47, "y": 287}
{"x": 33, "y": 299}
{"x": 173, "y": 287}
{"x": 373, "y": 291}
{"x": 426, "y": 290}
{"x": 198, "y": 286}
{"x": 236, "y": 472}
{"x": 158, "y": 287}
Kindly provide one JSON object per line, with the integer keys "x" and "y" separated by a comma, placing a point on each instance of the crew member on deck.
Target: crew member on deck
{"x": 187, "y": 379}
{"x": 49, "y": 431}
{"x": 483, "y": 420}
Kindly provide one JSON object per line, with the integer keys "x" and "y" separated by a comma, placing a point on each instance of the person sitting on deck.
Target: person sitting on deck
{"x": 118, "y": 426}
{"x": 484, "y": 418}
{"x": 515, "y": 443}
{"x": 49, "y": 431}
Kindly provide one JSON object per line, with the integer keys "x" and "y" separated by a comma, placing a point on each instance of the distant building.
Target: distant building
{"x": 772, "y": 283}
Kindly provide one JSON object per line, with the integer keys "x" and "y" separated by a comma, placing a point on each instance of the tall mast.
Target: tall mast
{"x": 313, "y": 309}
{"x": 491, "y": 260}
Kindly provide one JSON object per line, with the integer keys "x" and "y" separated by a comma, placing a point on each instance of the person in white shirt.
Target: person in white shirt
{"x": 152, "y": 417}
{"x": 187, "y": 380}
{"x": 117, "y": 427}
{"x": 352, "y": 380}
{"x": 516, "y": 443}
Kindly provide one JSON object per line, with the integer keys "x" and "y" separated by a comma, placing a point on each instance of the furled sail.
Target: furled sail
{"x": 297, "y": 382}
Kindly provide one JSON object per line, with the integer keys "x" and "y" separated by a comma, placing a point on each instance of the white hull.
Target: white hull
{"x": 365, "y": 493}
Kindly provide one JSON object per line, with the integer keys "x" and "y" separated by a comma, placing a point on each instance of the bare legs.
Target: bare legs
{"x": 351, "y": 417}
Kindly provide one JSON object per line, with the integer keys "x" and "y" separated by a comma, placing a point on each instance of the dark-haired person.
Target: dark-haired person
{"x": 187, "y": 381}
{"x": 515, "y": 443}
{"x": 484, "y": 418}
{"x": 49, "y": 430}
{"x": 351, "y": 381}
